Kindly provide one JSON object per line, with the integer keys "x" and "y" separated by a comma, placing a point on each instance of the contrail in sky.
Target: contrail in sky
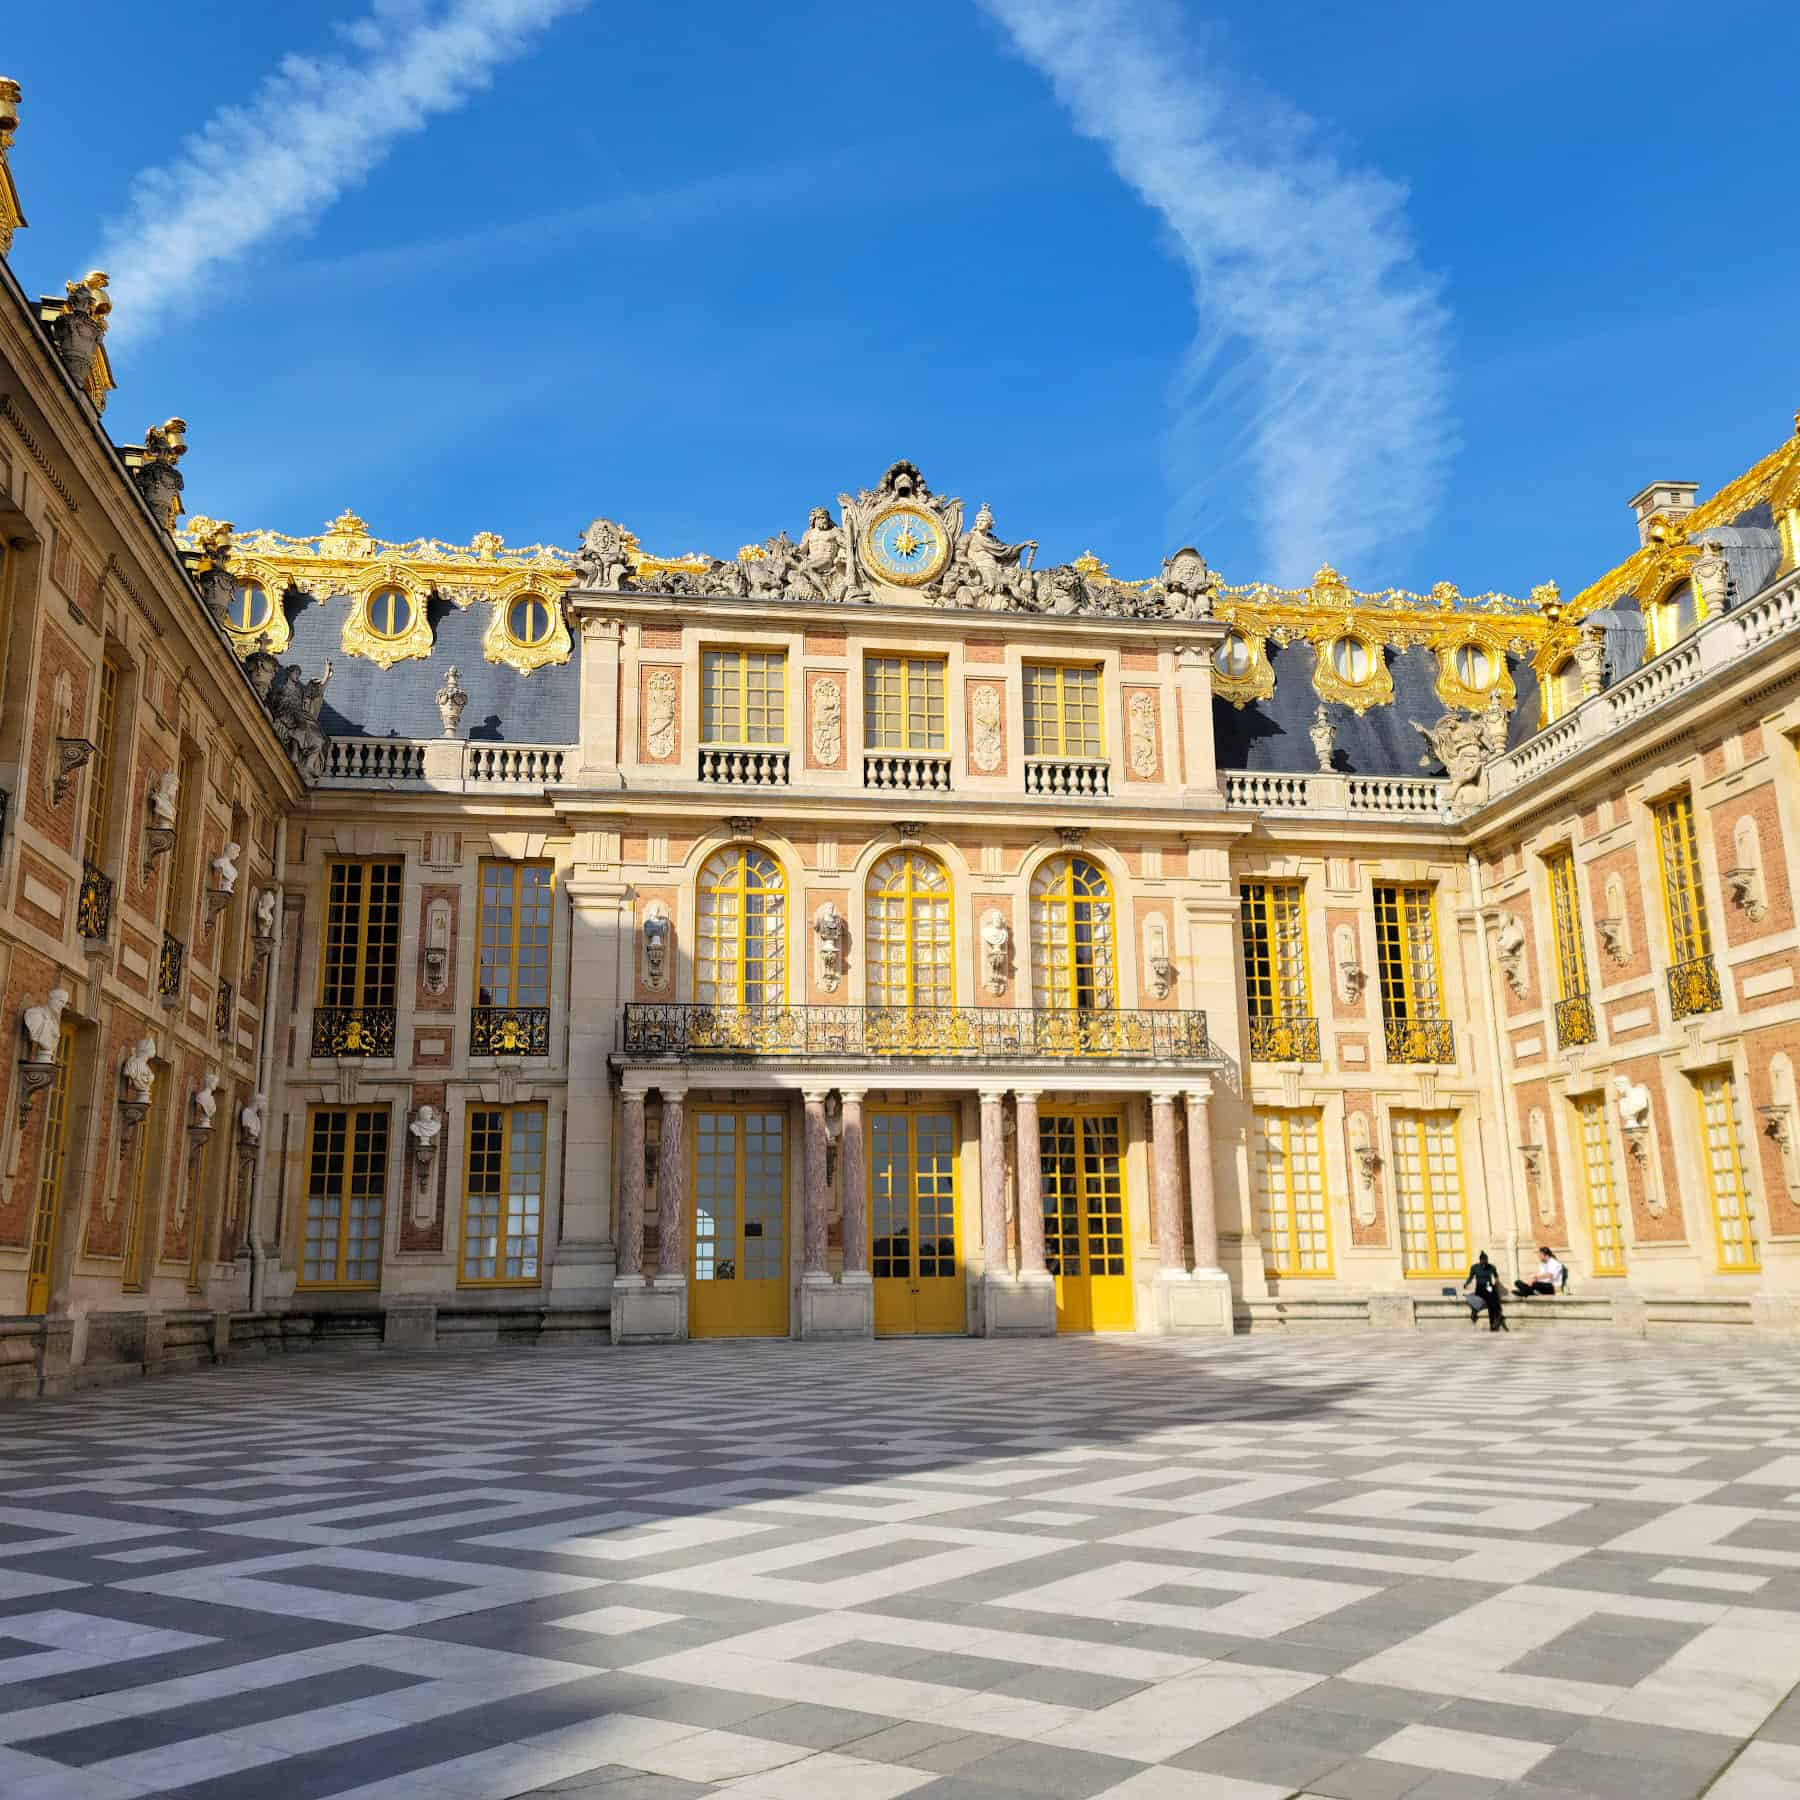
{"x": 316, "y": 126}
{"x": 1305, "y": 264}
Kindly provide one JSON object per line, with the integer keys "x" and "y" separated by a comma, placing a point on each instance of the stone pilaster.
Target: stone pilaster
{"x": 853, "y": 1183}
{"x": 631, "y": 1184}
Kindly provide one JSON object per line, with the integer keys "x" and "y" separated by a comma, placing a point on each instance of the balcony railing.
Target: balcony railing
{"x": 224, "y": 1012}
{"x": 443, "y": 765}
{"x": 1284, "y": 1040}
{"x": 1420, "y": 1041}
{"x": 94, "y": 904}
{"x": 975, "y": 1034}
{"x": 353, "y": 1031}
{"x": 1423, "y": 797}
{"x": 1070, "y": 777}
{"x": 1694, "y": 988}
{"x": 907, "y": 771}
{"x": 509, "y": 1031}
{"x": 1574, "y": 1021}
{"x": 169, "y": 966}
{"x": 744, "y": 768}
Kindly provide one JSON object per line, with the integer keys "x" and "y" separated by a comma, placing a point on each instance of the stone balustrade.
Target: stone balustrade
{"x": 443, "y": 765}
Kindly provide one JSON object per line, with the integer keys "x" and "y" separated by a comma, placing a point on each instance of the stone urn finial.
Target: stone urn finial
{"x": 451, "y": 698}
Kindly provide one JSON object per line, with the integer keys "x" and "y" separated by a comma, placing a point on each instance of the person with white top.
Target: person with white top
{"x": 1548, "y": 1279}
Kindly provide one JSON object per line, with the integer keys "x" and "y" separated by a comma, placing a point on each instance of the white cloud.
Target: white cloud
{"x": 316, "y": 126}
{"x": 1304, "y": 276}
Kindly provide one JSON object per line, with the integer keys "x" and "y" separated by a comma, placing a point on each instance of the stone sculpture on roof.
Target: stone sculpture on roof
{"x": 295, "y": 704}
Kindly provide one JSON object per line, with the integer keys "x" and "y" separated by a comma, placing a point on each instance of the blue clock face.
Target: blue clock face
{"x": 906, "y": 545}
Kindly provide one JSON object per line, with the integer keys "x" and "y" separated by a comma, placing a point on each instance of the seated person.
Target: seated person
{"x": 1484, "y": 1278}
{"x": 1547, "y": 1280}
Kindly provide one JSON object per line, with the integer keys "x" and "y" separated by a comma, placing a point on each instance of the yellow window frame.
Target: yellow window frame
{"x": 911, "y": 897}
{"x": 735, "y": 863}
{"x": 1565, "y": 913}
{"x": 1441, "y": 1215}
{"x": 1062, "y": 980}
{"x": 106, "y": 740}
{"x": 896, "y": 688}
{"x": 52, "y": 1183}
{"x": 353, "y": 972}
{"x": 353, "y": 1119}
{"x": 1047, "y": 692}
{"x": 196, "y": 1177}
{"x": 1606, "y": 1228}
{"x": 517, "y": 935}
{"x": 492, "y": 1151}
{"x": 133, "y": 1266}
{"x": 726, "y": 673}
{"x": 1684, "y": 895}
{"x": 1277, "y": 970}
{"x": 1289, "y": 1147}
{"x": 1722, "y": 1150}
{"x": 1406, "y": 922}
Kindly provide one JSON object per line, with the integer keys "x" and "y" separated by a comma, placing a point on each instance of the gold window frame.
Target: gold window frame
{"x": 1059, "y": 892}
{"x": 726, "y": 875}
{"x": 506, "y": 1157}
{"x": 738, "y": 660}
{"x": 1683, "y": 887}
{"x": 506, "y": 952}
{"x": 895, "y": 879}
{"x": 352, "y": 973}
{"x": 354, "y": 1119}
{"x": 1055, "y": 677}
{"x": 912, "y": 674}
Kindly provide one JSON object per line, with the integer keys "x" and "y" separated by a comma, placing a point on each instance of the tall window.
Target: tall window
{"x": 346, "y": 1189}
{"x": 362, "y": 935}
{"x": 503, "y": 1194}
{"x": 1406, "y": 947}
{"x": 1683, "y": 900}
{"x": 1562, "y": 689}
{"x": 1072, "y": 936}
{"x": 1434, "y": 1231}
{"x": 106, "y": 739}
{"x": 1062, "y": 710}
{"x": 137, "y": 1207}
{"x": 196, "y": 1180}
{"x": 1574, "y": 1010}
{"x": 1602, "y": 1196}
{"x": 1276, "y": 977}
{"x": 907, "y": 940}
{"x": 743, "y": 697}
{"x": 1290, "y": 1177}
{"x": 53, "y": 1160}
{"x": 1725, "y": 1183}
{"x": 903, "y": 702}
{"x": 515, "y": 934}
{"x": 1675, "y": 618}
{"x": 741, "y": 951}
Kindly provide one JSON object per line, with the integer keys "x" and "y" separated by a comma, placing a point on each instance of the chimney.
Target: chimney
{"x": 1673, "y": 499}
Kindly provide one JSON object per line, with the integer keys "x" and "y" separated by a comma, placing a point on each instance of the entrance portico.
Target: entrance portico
{"x": 927, "y": 1197}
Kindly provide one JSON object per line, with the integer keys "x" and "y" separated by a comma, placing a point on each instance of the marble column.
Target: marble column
{"x": 631, "y": 1184}
{"x": 1201, "y": 1202}
{"x": 853, "y": 1182}
{"x": 1167, "y": 1183}
{"x": 814, "y": 1266}
{"x": 671, "y": 1190}
{"x": 1031, "y": 1187}
{"x": 993, "y": 1180}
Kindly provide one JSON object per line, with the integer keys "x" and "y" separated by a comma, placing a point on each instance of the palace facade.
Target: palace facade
{"x": 871, "y": 933}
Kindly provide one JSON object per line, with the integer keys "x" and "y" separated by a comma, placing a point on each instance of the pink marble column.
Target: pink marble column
{"x": 671, "y": 1190}
{"x": 853, "y": 1182}
{"x": 1201, "y": 1204}
{"x": 993, "y": 1180}
{"x": 1031, "y": 1187}
{"x": 631, "y": 1184}
{"x": 1167, "y": 1187}
{"x": 815, "y": 1245}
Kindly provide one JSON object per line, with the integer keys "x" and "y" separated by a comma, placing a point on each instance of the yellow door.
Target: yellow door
{"x": 1082, "y": 1160}
{"x": 913, "y": 1223}
{"x": 739, "y": 1265}
{"x": 47, "y": 1218}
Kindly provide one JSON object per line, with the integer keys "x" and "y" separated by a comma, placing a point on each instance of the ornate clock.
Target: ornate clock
{"x": 906, "y": 545}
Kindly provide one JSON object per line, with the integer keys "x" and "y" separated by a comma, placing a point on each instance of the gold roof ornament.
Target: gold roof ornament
{"x": 12, "y": 215}
{"x": 78, "y": 323}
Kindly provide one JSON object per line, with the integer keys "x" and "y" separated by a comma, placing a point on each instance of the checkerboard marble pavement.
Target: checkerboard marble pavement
{"x": 1340, "y": 1566}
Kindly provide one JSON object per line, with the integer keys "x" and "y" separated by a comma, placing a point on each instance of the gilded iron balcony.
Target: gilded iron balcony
{"x": 1284, "y": 1040}
{"x": 1694, "y": 988}
{"x": 353, "y": 1031}
{"x": 976, "y": 1034}
{"x": 1420, "y": 1041}
{"x": 225, "y": 1013}
{"x": 509, "y": 1031}
{"x": 169, "y": 967}
{"x": 1575, "y": 1021}
{"x": 94, "y": 904}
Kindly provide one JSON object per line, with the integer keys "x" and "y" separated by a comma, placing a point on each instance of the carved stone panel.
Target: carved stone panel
{"x": 987, "y": 738}
{"x": 1143, "y": 746}
{"x": 825, "y": 722}
{"x": 659, "y": 728}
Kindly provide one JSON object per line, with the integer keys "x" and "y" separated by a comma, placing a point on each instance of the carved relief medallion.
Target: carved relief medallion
{"x": 659, "y": 714}
{"x": 827, "y": 723}
{"x": 1141, "y": 712}
{"x": 984, "y": 728}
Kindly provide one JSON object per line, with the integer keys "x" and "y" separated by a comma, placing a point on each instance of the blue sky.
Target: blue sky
{"x": 701, "y": 267}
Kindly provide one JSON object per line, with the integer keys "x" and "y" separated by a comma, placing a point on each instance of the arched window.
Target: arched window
{"x": 1675, "y": 618}
{"x": 908, "y": 935}
{"x": 741, "y": 941}
{"x": 390, "y": 612}
{"x": 1072, "y": 936}
{"x": 1562, "y": 691}
{"x": 250, "y": 608}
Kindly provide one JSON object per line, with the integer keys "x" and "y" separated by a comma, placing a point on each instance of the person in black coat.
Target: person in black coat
{"x": 1484, "y": 1278}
